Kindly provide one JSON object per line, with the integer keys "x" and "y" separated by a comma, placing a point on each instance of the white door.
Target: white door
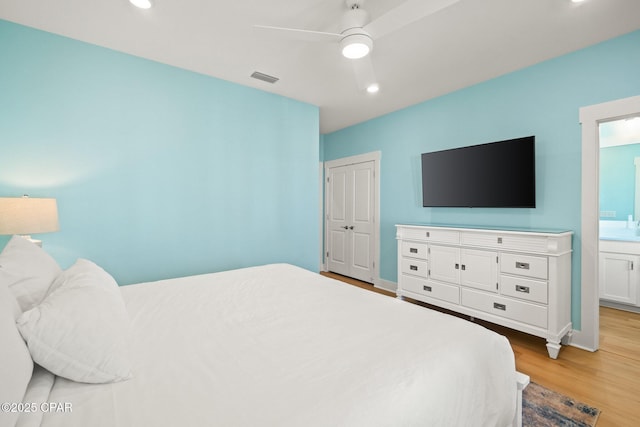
{"x": 619, "y": 277}
{"x": 350, "y": 215}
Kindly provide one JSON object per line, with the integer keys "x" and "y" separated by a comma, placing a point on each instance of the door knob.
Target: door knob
{"x": 351, "y": 228}
{"x": 345, "y": 227}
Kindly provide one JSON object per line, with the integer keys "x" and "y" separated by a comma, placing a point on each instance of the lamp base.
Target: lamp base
{"x": 34, "y": 241}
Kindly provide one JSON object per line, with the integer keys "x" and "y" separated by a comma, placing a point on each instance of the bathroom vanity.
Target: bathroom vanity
{"x": 619, "y": 265}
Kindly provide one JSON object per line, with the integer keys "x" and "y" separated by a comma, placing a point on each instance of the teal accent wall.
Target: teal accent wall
{"x": 158, "y": 172}
{"x": 541, "y": 100}
{"x": 618, "y": 180}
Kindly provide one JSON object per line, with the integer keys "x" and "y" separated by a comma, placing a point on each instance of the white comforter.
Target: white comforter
{"x": 280, "y": 346}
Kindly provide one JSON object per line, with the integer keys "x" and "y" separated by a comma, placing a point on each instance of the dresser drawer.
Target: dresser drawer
{"x": 414, "y": 249}
{"x": 411, "y": 233}
{"x": 432, "y": 235}
{"x": 431, "y": 289}
{"x": 524, "y": 265}
{"x": 414, "y": 267}
{"x": 527, "y": 289}
{"x": 487, "y": 240}
{"x": 443, "y": 236}
{"x": 520, "y": 311}
{"x": 505, "y": 241}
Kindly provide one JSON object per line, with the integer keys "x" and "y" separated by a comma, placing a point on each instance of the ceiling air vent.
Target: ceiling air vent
{"x": 264, "y": 77}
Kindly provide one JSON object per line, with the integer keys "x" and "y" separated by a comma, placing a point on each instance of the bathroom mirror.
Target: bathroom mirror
{"x": 620, "y": 169}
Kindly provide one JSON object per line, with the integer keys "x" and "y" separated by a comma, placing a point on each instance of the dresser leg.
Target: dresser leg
{"x": 553, "y": 348}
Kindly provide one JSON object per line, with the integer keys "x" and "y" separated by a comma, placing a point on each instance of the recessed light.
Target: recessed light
{"x": 142, "y": 4}
{"x": 577, "y": 1}
{"x": 633, "y": 123}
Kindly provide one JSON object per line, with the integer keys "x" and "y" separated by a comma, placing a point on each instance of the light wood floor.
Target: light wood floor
{"x": 608, "y": 379}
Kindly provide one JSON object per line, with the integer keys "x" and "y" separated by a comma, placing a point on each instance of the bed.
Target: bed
{"x": 271, "y": 345}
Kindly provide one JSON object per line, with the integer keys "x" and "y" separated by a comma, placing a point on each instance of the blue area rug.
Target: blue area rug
{"x": 542, "y": 407}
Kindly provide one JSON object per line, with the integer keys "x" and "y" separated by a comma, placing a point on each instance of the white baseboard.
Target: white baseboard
{"x": 580, "y": 340}
{"x": 619, "y": 306}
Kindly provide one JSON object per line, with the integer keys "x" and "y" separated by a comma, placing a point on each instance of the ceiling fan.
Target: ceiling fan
{"x": 358, "y": 31}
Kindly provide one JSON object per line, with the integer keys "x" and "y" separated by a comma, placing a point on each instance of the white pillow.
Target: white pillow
{"x": 81, "y": 330}
{"x": 27, "y": 270}
{"x": 16, "y": 366}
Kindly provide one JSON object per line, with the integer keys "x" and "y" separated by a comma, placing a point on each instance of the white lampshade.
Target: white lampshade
{"x": 25, "y": 215}
{"x": 356, "y": 46}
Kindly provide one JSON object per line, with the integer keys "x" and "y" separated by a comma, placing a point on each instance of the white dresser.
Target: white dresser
{"x": 518, "y": 279}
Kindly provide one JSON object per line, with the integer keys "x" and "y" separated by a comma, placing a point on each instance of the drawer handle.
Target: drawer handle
{"x": 413, "y": 250}
{"x": 497, "y": 306}
{"x": 523, "y": 289}
{"x": 413, "y": 267}
{"x": 427, "y": 288}
{"x": 522, "y": 265}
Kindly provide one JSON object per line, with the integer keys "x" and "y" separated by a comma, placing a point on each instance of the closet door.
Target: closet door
{"x": 351, "y": 220}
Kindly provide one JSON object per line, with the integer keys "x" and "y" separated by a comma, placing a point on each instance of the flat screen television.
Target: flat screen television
{"x": 495, "y": 175}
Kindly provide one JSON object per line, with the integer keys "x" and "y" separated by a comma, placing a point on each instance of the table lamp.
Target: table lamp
{"x": 26, "y": 215}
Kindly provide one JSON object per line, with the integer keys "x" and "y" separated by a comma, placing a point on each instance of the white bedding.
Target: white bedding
{"x": 277, "y": 345}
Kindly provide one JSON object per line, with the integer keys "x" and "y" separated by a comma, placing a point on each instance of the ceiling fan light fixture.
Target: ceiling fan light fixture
{"x": 142, "y": 4}
{"x": 356, "y": 46}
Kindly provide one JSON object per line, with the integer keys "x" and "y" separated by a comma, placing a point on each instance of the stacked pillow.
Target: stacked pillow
{"x": 16, "y": 366}
{"x": 28, "y": 271}
{"x": 74, "y": 322}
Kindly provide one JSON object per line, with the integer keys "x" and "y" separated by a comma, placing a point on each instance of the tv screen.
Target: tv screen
{"x": 497, "y": 175}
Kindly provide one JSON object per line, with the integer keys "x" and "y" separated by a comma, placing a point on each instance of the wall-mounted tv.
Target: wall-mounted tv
{"x": 495, "y": 175}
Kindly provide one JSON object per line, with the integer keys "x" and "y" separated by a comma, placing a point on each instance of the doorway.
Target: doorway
{"x": 351, "y": 217}
{"x": 619, "y": 199}
{"x": 590, "y": 118}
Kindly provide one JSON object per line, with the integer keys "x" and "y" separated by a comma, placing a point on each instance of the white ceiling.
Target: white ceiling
{"x": 469, "y": 42}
